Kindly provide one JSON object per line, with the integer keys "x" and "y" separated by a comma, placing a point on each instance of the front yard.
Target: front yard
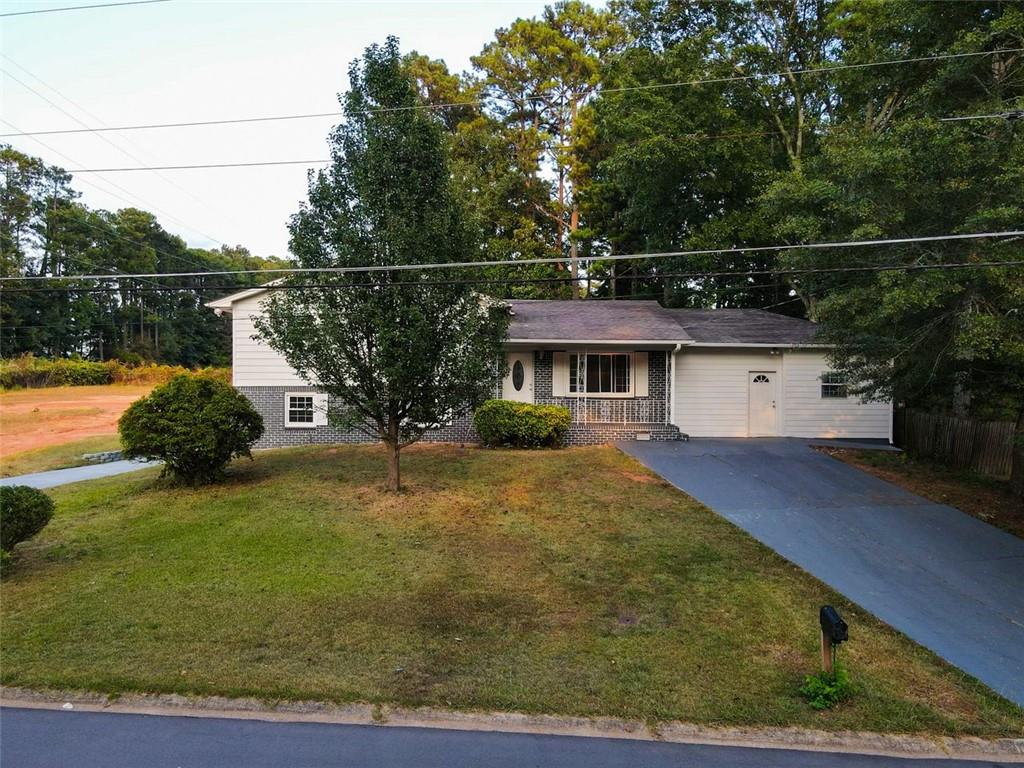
{"x": 571, "y": 582}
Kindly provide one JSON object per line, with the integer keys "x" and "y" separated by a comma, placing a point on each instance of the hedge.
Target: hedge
{"x": 30, "y": 371}
{"x": 521, "y": 425}
{"x": 24, "y": 512}
{"x": 194, "y": 424}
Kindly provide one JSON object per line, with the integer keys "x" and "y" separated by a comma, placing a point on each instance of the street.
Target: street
{"x": 41, "y": 738}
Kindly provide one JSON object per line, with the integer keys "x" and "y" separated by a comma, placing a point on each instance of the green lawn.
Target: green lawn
{"x": 570, "y": 582}
{"x": 56, "y": 456}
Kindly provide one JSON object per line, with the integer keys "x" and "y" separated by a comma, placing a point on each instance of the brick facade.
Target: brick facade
{"x": 270, "y": 402}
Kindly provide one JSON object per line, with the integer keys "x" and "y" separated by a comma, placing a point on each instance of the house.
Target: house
{"x": 625, "y": 370}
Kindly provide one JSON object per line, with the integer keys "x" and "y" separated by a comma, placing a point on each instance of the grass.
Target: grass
{"x": 571, "y": 582}
{"x": 982, "y": 497}
{"x": 56, "y": 456}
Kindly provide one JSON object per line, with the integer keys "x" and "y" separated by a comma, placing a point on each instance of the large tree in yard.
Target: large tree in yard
{"x": 397, "y": 351}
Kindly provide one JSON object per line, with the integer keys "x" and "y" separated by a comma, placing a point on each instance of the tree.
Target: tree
{"x": 950, "y": 339}
{"x": 539, "y": 75}
{"x": 396, "y": 351}
{"x": 46, "y": 231}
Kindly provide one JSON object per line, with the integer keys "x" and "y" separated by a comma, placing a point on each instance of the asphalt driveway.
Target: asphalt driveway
{"x": 947, "y": 580}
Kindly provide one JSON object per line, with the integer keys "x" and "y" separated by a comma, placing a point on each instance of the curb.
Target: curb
{"x": 866, "y": 743}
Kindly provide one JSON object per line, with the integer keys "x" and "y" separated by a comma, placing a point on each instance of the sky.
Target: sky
{"x": 182, "y": 61}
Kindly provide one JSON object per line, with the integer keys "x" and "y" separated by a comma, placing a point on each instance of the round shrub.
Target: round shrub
{"x": 194, "y": 424}
{"x": 521, "y": 425}
{"x": 24, "y": 512}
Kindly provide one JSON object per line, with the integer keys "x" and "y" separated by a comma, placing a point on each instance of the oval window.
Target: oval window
{"x": 518, "y": 375}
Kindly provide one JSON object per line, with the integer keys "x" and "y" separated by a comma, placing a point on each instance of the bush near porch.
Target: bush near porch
{"x": 521, "y": 425}
{"x": 571, "y": 582}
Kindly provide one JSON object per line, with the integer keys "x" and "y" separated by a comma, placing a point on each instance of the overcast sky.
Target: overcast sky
{"x": 184, "y": 61}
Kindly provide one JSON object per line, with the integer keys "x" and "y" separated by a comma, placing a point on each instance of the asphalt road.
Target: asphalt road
{"x": 37, "y": 738}
{"x": 951, "y": 582}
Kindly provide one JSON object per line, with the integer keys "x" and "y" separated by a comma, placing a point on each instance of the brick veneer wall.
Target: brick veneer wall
{"x": 269, "y": 401}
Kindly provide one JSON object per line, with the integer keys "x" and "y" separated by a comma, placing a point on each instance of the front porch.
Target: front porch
{"x": 641, "y": 410}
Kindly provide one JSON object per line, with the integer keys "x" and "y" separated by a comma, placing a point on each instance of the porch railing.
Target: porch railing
{"x": 616, "y": 411}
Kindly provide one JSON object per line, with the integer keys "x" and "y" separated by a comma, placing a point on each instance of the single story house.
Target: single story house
{"x": 625, "y": 370}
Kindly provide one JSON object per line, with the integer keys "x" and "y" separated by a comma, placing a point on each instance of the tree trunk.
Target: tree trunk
{"x": 574, "y": 223}
{"x": 1017, "y": 466}
{"x": 394, "y": 479}
{"x": 393, "y": 448}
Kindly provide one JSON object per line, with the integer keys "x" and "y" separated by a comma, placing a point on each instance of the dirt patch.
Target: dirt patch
{"x": 985, "y": 499}
{"x": 40, "y": 418}
{"x": 636, "y": 477}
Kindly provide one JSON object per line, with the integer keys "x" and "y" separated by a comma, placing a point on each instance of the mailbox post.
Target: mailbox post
{"x": 833, "y": 632}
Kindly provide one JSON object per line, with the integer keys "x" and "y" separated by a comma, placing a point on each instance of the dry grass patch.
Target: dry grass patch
{"x": 535, "y": 581}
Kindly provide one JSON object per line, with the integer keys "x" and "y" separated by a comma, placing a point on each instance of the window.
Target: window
{"x": 761, "y": 379}
{"x": 518, "y": 375}
{"x": 833, "y": 385}
{"x": 599, "y": 374}
{"x": 299, "y": 411}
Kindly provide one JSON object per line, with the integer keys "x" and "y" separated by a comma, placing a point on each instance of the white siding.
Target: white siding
{"x": 808, "y": 414}
{"x": 711, "y": 396}
{"x": 711, "y": 390}
{"x": 254, "y": 364}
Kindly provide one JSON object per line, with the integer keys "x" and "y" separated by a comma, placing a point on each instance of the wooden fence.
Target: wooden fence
{"x": 985, "y": 447}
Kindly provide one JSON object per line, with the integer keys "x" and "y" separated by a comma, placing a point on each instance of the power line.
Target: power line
{"x": 81, "y": 7}
{"x": 484, "y": 102}
{"x": 100, "y": 136}
{"x": 552, "y": 260}
{"x": 1013, "y": 114}
{"x": 201, "y": 165}
{"x": 131, "y": 199}
{"x": 541, "y": 280}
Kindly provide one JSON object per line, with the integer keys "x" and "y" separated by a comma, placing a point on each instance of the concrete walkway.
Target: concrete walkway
{"x": 45, "y": 738}
{"x": 947, "y": 580}
{"x": 57, "y": 477}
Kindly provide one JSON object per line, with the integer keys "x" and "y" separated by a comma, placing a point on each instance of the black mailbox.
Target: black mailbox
{"x": 832, "y": 625}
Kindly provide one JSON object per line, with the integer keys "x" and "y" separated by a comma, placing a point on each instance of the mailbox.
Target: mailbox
{"x": 832, "y": 625}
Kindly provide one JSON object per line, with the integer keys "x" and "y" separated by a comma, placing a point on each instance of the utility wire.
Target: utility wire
{"x": 1013, "y": 114}
{"x": 131, "y": 199}
{"x": 200, "y": 165}
{"x": 484, "y": 102}
{"x": 100, "y": 136}
{"x": 555, "y": 260}
{"x": 81, "y": 7}
{"x": 539, "y": 280}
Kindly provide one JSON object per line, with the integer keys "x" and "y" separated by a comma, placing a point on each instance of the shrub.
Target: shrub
{"x": 24, "y": 512}
{"x": 825, "y": 690}
{"x": 29, "y": 371}
{"x": 521, "y": 425}
{"x": 194, "y": 424}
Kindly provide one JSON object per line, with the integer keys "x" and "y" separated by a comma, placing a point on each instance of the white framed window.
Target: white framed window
{"x": 833, "y": 385}
{"x": 601, "y": 373}
{"x": 305, "y": 410}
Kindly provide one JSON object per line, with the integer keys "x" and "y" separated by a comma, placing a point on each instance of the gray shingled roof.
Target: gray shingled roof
{"x": 647, "y": 321}
{"x": 593, "y": 321}
{"x": 743, "y": 326}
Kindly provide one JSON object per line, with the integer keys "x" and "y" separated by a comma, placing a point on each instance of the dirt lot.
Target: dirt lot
{"x": 40, "y": 418}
